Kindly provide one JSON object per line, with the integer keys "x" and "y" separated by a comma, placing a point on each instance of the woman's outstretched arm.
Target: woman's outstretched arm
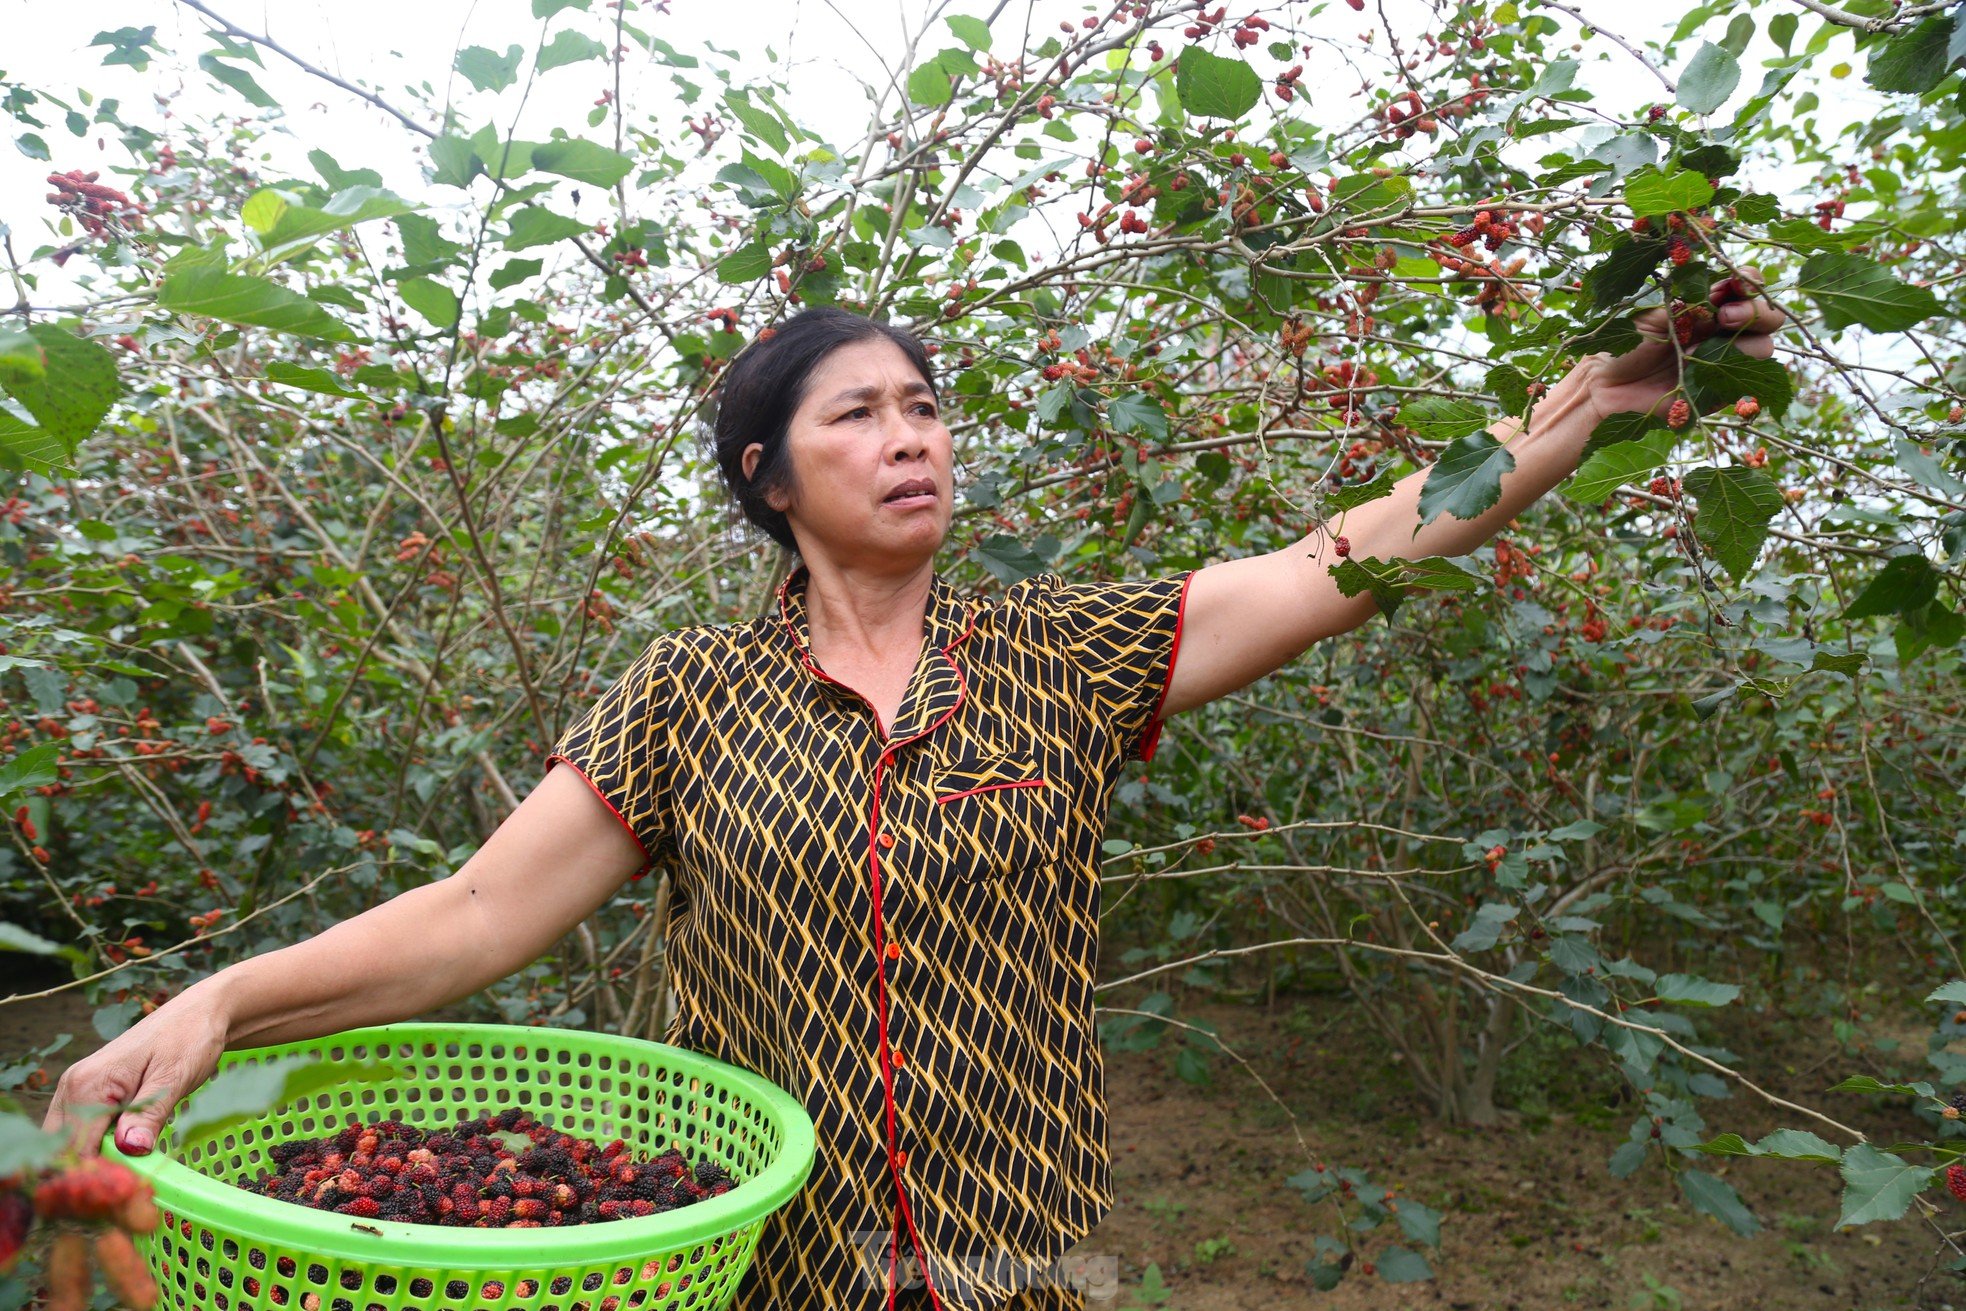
{"x": 1247, "y": 618}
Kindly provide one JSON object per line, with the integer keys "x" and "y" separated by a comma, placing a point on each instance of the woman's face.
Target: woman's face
{"x": 871, "y": 484}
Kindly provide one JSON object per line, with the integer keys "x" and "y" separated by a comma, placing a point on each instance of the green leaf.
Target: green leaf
{"x": 1419, "y": 1222}
{"x": 1905, "y": 583}
{"x": 1797, "y": 1145}
{"x": 1401, "y": 1265}
{"x": 32, "y": 768}
{"x": 1659, "y": 193}
{"x": 1006, "y": 557}
{"x": 245, "y": 1091}
{"x": 15, "y": 938}
{"x": 1953, "y": 993}
{"x": 1736, "y": 504}
{"x": 1611, "y": 468}
{"x": 1720, "y": 373}
{"x": 31, "y": 145}
{"x": 1863, "y": 1083}
{"x": 515, "y": 271}
{"x": 75, "y": 388}
{"x": 929, "y": 85}
{"x": 1486, "y": 930}
{"x": 1878, "y": 1185}
{"x": 130, "y": 45}
{"x": 1727, "y": 1144}
{"x": 761, "y": 124}
{"x": 1624, "y": 270}
{"x": 433, "y": 300}
{"x": 1215, "y": 86}
{"x": 583, "y": 161}
{"x": 1466, "y": 481}
{"x": 22, "y": 445}
{"x": 1709, "y": 79}
{"x": 1350, "y": 498}
{"x": 1690, "y": 990}
{"x": 278, "y": 218}
{"x": 206, "y": 290}
{"x": 536, "y": 226}
{"x": 21, "y": 356}
{"x": 746, "y": 263}
{"x": 1624, "y": 426}
{"x": 972, "y": 32}
{"x": 548, "y": 8}
{"x": 1914, "y": 60}
{"x": 239, "y": 80}
{"x": 1441, "y": 419}
{"x": 456, "y": 161}
{"x": 308, "y": 379}
{"x": 1137, "y": 412}
{"x": 566, "y": 47}
{"x": 1857, "y": 289}
{"x": 1717, "y": 1198}
{"x": 488, "y": 70}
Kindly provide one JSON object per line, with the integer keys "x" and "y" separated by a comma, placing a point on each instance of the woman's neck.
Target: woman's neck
{"x": 866, "y": 619}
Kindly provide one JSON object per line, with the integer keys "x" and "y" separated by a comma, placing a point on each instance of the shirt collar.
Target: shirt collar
{"x": 936, "y": 686}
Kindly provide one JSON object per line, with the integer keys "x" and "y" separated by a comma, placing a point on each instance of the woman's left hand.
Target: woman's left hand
{"x": 1647, "y": 374}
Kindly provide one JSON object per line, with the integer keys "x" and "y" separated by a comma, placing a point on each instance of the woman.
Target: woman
{"x": 881, "y": 805}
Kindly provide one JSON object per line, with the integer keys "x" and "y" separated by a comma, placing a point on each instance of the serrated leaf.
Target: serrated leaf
{"x": 1863, "y": 1083}
{"x": 1402, "y": 1265}
{"x": 583, "y": 161}
{"x": 1736, "y": 504}
{"x": 1626, "y": 462}
{"x": 1651, "y": 194}
{"x": 972, "y": 32}
{"x": 536, "y": 226}
{"x": 1441, "y": 419}
{"x": 74, "y": 388}
{"x": 1710, "y": 78}
{"x": 1353, "y": 576}
{"x": 486, "y": 69}
{"x": 1419, "y": 1222}
{"x": 1626, "y": 1160}
{"x": 1716, "y": 1197}
{"x": 514, "y": 271}
{"x": 1350, "y": 498}
{"x": 1797, "y": 1145}
{"x": 1466, "y": 481}
{"x": 1878, "y": 1185}
{"x": 1905, "y": 583}
{"x": 1627, "y": 268}
{"x": 279, "y": 219}
{"x": 1854, "y": 289}
{"x": 1728, "y": 1144}
{"x": 746, "y": 263}
{"x": 1719, "y": 373}
{"x": 32, "y": 768}
{"x": 213, "y": 293}
{"x": 433, "y": 300}
{"x": 21, "y": 356}
{"x": 1691, "y": 990}
{"x": 1914, "y": 60}
{"x": 1954, "y": 992}
{"x": 244, "y": 1091}
{"x": 308, "y": 379}
{"x": 1215, "y": 86}
{"x": 1137, "y": 412}
{"x": 760, "y": 123}
{"x": 567, "y": 47}
{"x": 239, "y": 80}
{"x": 15, "y": 938}
{"x": 1006, "y": 557}
{"x": 929, "y": 85}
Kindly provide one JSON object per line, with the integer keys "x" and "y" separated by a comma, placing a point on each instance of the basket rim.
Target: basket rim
{"x": 250, "y": 1217}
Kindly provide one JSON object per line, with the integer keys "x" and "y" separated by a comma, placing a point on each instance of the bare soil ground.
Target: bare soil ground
{"x": 1532, "y": 1218}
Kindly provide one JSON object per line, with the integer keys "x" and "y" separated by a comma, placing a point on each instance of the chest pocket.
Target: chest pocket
{"x": 995, "y": 815}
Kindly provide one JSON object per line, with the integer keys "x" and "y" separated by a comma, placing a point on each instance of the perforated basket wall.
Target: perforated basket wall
{"x": 223, "y": 1248}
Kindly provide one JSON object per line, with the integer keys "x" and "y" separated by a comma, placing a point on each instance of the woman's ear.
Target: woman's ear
{"x": 749, "y": 460}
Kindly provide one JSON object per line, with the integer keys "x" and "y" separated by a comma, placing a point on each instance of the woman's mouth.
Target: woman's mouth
{"x": 911, "y": 495}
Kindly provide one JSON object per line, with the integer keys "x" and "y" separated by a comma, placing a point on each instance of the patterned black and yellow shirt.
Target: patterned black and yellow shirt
{"x": 900, "y": 928}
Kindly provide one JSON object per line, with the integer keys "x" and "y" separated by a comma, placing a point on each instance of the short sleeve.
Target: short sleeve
{"x": 618, "y": 746}
{"x": 1123, "y": 637}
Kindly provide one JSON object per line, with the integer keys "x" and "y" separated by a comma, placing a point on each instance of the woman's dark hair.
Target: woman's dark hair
{"x": 763, "y": 389}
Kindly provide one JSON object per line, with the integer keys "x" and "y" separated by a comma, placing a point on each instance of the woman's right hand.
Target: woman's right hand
{"x": 159, "y": 1060}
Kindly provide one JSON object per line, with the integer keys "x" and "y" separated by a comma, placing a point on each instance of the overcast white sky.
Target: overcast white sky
{"x": 387, "y": 43}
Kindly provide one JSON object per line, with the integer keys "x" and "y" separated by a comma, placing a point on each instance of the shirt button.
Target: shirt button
{"x": 887, "y": 841}
{"x": 892, "y": 950}
{"x": 900, "y": 1160}
{"x": 899, "y": 1061}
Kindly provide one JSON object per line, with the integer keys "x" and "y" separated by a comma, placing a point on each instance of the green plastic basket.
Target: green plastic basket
{"x": 221, "y": 1248}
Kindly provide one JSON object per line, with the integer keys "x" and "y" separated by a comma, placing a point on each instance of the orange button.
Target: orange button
{"x": 893, "y": 950}
{"x": 898, "y": 1060}
{"x": 887, "y": 841}
{"x": 900, "y": 1160}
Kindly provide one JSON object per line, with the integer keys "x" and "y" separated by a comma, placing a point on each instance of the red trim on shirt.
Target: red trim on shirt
{"x": 647, "y": 859}
{"x": 1150, "y": 739}
{"x": 992, "y": 787}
